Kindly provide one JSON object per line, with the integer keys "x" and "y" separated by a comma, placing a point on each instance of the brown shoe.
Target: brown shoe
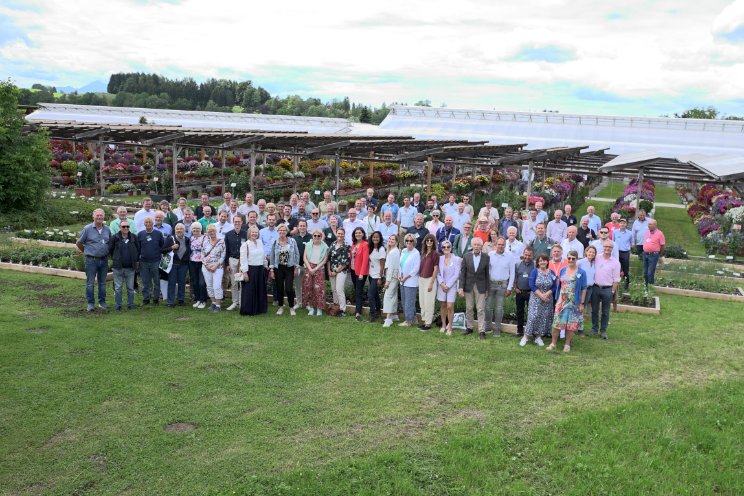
{"x": 482, "y": 336}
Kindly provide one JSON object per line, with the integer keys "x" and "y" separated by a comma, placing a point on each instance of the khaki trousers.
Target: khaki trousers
{"x": 478, "y": 300}
{"x": 427, "y": 299}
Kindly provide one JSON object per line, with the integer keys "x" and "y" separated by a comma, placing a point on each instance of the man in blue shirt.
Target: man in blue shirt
{"x": 623, "y": 240}
{"x": 390, "y": 206}
{"x": 640, "y": 228}
{"x": 93, "y": 242}
{"x": 595, "y": 223}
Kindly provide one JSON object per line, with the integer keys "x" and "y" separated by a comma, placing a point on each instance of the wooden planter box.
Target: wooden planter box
{"x": 35, "y": 269}
{"x": 700, "y": 294}
{"x": 85, "y": 192}
{"x": 704, "y": 276}
{"x": 655, "y": 310}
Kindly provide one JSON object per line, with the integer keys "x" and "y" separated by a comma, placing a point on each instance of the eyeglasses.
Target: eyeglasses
{"x": 409, "y": 241}
{"x": 317, "y": 236}
{"x": 446, "y": 247}
{"x": 570, "y": 258}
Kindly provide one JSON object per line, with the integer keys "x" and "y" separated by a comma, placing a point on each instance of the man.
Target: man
{"x": 584, "y": 234}
{"x": 501, "y": 273}
{"x": 121, "y": 216}
{"x": 460, "y": 217}
{"x": 370, "y": 198}
{"x": 181, "y": 249}
{"x": 168, "y": 217}
{"x": 178, "y": 211}
{"x": 233, "y": 239}
{"x": 386, "y": 227}
{"x": 269, "y": 234}
{"x": 300, "y": 214}
{"x": 640, "y": 228}
{"x": 225, "y": 207}
{"x": 557, "y": 262}
{"x": 124, "y": 250}
{"x": 305, "y": 198}
{"x": 464, "y": 240}
{"x": 653, "y": 248}
{"x": 542, "y": 215}
{"x": 604, "y": 235}
{"x": 468, "y": 207}
{"x": 327, "y": 202}
{"x": 302, "y": 237}
{"x": 94, "y": 243}
{"x": 569, "y": 218}
{"x": 315, "y": 222}
{"x": 294, "y": 202}
{"x": 522, "y": 289}
{"x": 594, "y": 221}
{"x": 417, "y": 203}
{"x": 447, "y": 231}
{"x": 434, "y": 202}
{"x": 529, "y": 227}
{"x": 571, "y": 243}
{"x": 331, "y": 212}
{"x": 418, "y": 230}
{"x": 199, "y": 211}
{"x": 287, "y": 218}
{"x": 556, "y": 228}
{"x": 623, "y": 239}
{"x": 252, "y": 222}
{"x": 490, "y": 213}
{"x": 482, "y": 229}
{"x": 188, "y": 221}
{"x": 361, "y": 209}
{"x": 390, "y": 206}
{"x": 223, "y": 226}
{"x": 513, "y": 245}
{"x": 606, "y": 277}
{"x": 350, "y": 224}
{"x": 151, "y": 250}
{"x": 406, "y": 215}
{"x": 248, "y": 205}
{"x": 146, "y": 211}
{"x": 473, "y": 284}
{"x": 262, "y": 211}
{"x": 541, "y": 244}
{"x": 428, "y": 210}
{"x": 614, "y": 223}
{"x": 507, "y": 222}
{"x": 450, "y": 208}
{"x": 233, "y": 212}
{"x": 160, "y": 225}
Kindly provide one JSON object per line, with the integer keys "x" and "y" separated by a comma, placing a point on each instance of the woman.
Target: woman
{"x": 518, "y": 217}
{"x": 213, "y": 263}
{"x": 371, "y": 220}
{"x": 427, "y": 279}
{"x": 377, "y": 254}
{"x": 253, "y": 298}
{"x": 359, "y": 252}
{"x": 408, "y": 269}
{"x": 329, "y": 233}
{"x": 540, "y": 309}
{"x": 490, "y": 245}
{"x": 433, "y": 225}
{"x": 313, "y": 279}
{"x": 338, "y": 263}
{"x": 270, "y": 209}
{"x": 392, "y": 266}
{"x": 284, "y": 267}
{"x": 570, "y": 297}
{"x": 181, "y": 255}
{"x": 588, "y": 265}
{"x": 447, "y": 278}
{"x": 196, "y": 278}
{"x": 179, "y": 211}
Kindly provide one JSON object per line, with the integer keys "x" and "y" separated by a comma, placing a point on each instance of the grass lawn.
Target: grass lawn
{"x": 678, "y": 229}
{"x": 663, "y": 194}
{"x": 306, "y": 405}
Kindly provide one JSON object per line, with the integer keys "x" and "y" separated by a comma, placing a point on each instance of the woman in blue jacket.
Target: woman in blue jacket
{"x": 570, "y": 296}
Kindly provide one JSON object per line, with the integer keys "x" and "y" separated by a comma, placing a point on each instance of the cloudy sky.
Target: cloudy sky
{"x": 632, "y": 57}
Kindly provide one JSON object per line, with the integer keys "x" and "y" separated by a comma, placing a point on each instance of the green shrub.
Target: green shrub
{"x": 676, "y": 251}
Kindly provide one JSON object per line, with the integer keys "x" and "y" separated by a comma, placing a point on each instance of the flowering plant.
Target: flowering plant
{"x": 735, "y": 215}
{"x": 707, "y": 224}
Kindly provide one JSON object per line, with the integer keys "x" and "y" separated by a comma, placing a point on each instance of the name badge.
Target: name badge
{"x": 126, "y": 241}
{"x": 525, "y": 276}
{"x": 149, "y": 238}
{"x": 103, "y": 241}
{"x": 417, "y": 235}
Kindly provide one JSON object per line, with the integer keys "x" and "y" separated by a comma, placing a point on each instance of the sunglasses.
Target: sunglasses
{"x": 124, "y": 227}
{"x": 315, "y": 213}
{"x": 604, "y": 232}
{"x": 409, "y": 241}
{"x": 429, "y": 240}
{"x": 435, "y": 215}
{"x": 317, "y": 236}
{"x": 570, "y": 258}
{"x": 446, "y": 247}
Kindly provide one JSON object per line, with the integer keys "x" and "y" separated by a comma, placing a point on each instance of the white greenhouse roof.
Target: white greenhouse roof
{"x": 668, "y": 137}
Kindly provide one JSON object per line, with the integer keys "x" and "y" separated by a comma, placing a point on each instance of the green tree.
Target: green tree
{"x": 699, "y": 113}
{"x": 365, "y": 116}
{"x": 24, "y": 157}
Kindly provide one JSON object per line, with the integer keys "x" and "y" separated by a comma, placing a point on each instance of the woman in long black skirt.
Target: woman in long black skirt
{"x": 253, "y": 288}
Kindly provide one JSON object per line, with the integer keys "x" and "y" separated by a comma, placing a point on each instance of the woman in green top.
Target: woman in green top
{"x": 313, "y": 281}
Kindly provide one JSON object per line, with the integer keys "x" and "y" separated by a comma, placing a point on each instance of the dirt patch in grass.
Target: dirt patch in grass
{"x": 28, "y": 314}
{"x": 39, "y": 286}
{"x": 183, "y": 319}
{"x": 38, "y": 330}
{"x": 60, "y": 437}
{"x": 58, "y": 300}
{"x": 85, "y": 488}
{"x": 180, "y": 427}
{"x": 99, "y": 462}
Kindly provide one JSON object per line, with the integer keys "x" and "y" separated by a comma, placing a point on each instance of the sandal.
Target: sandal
{"x": 550, "y": 347}
{"x": 566, "y": 348}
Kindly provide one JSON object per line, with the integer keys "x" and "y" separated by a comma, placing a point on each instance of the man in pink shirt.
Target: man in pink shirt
{"x": 653, "y": 248}
{"x": 606, "y": 278}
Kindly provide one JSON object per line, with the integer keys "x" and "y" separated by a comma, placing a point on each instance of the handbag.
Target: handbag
{"x": 239, "y": 277}
{"x": 333, "y": 309}
{"x": 166, "y": 261}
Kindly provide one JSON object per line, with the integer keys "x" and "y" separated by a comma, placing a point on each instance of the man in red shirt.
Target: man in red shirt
{"x": 481, "y": 230}
{"x": 653, "y": 249}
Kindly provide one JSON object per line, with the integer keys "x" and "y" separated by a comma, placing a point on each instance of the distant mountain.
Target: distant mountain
{"x": 94, "y": 87}
{"x": 66, "y": 89}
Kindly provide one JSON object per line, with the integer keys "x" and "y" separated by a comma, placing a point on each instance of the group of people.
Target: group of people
{"x": 419, "y": 253}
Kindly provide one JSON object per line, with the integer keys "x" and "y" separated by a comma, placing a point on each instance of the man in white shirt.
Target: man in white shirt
{"x": 571, "y": 243}
{"x": 513, "y": 245}
{"x": 461, "y": 217}
{"x": 557, "y": 228}
{"x": 146, "y": 211}
{"x": 451, "y": 207}
{"x": 501, "y": 272}
{"x": 315, "y": 221}
{"x": 223, "y": 226}
{"x": 248, "y": 206}
{"x": 542, "y": 215}
{"x": 529, "y": 227}
{"x": 350, "y": 224}
{"x": 226, "y": 203}
{"x": 489, "y": 212}
{"x": 386, "y": 227}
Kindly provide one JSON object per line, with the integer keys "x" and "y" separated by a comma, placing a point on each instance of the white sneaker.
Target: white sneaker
{"x": 523, "y": 341}
{"x": 310, "y": 311}
{"x": 280, "y": 311}
{"x": 387, "y": 323}
{"x": 404, "y": 324}
{"x": 309, "y": 308}
{"x": 202, "y": 304}
{"x": 539, "y": 341}
{"x": 292, "y": 311}
{"x": 296, "y": 307}
{"x": 196, "y": 305}
{"x": 319, "y": 312}
{"x": 232, "y": 307}
{"x": 395, "y": 317}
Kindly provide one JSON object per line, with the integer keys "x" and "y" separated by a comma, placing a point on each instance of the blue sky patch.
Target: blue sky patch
{"x": 549, "y": 53}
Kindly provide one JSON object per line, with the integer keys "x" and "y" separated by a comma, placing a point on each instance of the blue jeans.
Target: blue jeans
{"x": 177, "y": 275}
{"x": 150, "y": 280}
{"x": 95, "y": 267}
{"x": 649, "y": 266}
{"x": 408, "y": 299}
{"x": 121, "y": 276}
{"x": 601, "y": 296}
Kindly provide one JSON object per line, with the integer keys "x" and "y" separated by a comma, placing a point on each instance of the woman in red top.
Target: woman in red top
{"x": 359, "y": 267}
{"x": 427, "y": 280}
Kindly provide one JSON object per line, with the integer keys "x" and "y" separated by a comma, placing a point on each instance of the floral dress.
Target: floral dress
{"x": 567, "y": 316}
{"x": 540, "y": 313}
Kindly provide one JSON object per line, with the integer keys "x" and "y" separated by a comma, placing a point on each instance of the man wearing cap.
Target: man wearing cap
{"x": 94, "y": 243}
{"x": 623, "y": 239}
{"x": 482, "y": 229}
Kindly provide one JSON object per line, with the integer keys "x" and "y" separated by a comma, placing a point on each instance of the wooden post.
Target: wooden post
{"x": 144, "y": 155}
{"x": 640, "y": 189}
{"x": 253, "y": 167}
{"x": 371, "y": 166}
{"x": 295, "y": 160}
{"x": 202, "y": 154}
{"x": 338, "y": 173}
{"x": 101, "y": 163}
{"x": 529, "y": 184}
{"x": 223, "y": 171}
{"x": 176, "y": 152}
{"x": 429, "y": 168}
